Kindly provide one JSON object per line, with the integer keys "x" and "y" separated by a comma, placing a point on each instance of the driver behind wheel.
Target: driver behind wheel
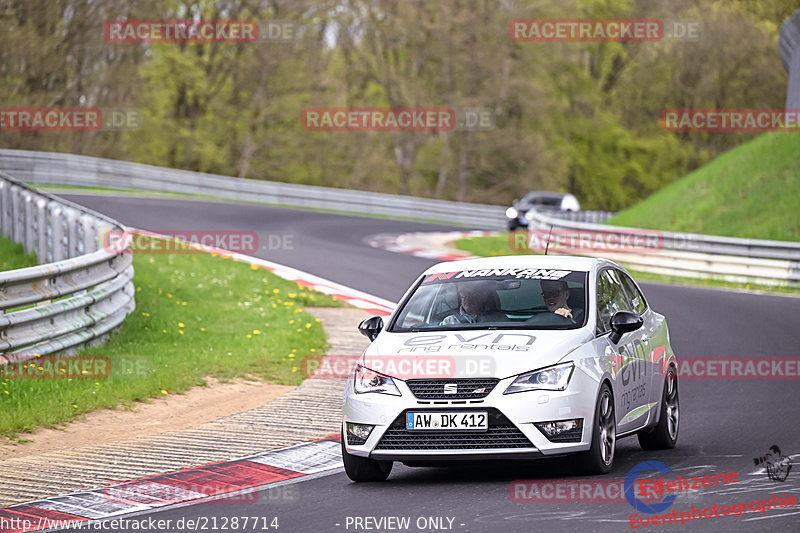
{"x": 478, "y": 301}
{"x": 556, "y": 294}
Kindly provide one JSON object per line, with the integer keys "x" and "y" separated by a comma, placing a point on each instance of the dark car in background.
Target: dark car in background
{"x": 517, "y": 214}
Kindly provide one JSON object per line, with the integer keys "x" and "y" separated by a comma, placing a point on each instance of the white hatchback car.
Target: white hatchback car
{"x": 513, "y": 357}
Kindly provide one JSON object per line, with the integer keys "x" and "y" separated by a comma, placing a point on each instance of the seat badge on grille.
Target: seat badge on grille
{"x": 451, "y": 388}
{"x": 479, "y": 391}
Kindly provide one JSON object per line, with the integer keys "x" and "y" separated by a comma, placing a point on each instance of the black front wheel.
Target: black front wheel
{"x": 361, "y": 469}
{"x": 600, "y": 457}
{"x": 664, "y": 434}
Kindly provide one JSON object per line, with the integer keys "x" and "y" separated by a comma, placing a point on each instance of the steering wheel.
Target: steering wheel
{"x": 549, "y": 319}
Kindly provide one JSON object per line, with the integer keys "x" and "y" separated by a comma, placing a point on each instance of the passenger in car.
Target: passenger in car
{"x": 479, "y": 303}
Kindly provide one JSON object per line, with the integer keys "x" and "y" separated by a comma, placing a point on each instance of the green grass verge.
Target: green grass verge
{"x": 500, "y": 245}
{"x": 197, "y": 315}
{"x": 13, "y": 256}
{"x": 752, "y": 191}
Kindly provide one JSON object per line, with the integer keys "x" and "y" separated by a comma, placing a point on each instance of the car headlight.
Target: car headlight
{"x": 551, "y": 378}
{"x": 511, "y": 212}
{"x": 366, "y": 380}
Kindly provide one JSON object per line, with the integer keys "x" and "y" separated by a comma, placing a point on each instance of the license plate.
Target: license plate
{"x": 475, "y": 420}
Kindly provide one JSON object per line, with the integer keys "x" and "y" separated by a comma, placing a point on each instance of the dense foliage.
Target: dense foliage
{"x": 578, "y": 117}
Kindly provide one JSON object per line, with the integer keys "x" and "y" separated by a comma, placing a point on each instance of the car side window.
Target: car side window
{"x": 610, "y": 299}
{"x": 635, "y": 297}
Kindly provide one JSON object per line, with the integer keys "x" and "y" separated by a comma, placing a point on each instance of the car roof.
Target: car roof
{"x": 546, "y": 194}
{"x": 559, "y": 262}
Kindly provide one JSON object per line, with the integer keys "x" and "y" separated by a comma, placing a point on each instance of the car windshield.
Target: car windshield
{"x": 542, "y": 199}
{"x": 505, "y": 298}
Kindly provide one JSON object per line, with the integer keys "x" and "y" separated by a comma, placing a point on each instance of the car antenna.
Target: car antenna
{"x": 547, "y": 246}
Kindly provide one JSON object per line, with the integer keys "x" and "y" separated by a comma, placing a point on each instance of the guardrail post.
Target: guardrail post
{"x": 6, "y": 209}
{"x": 789, "y": 51}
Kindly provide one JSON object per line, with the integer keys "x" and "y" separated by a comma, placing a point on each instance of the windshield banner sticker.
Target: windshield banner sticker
{"x": 504, "y": 273}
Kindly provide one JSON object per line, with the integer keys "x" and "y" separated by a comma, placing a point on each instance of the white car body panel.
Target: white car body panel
{"x": 636, "y": 382}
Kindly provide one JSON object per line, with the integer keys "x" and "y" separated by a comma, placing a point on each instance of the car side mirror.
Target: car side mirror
{"x": 622, "y": 322}
{"x": 371, "y": 326}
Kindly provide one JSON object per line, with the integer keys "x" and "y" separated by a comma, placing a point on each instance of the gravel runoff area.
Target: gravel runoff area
{"x": 308, "y": 412}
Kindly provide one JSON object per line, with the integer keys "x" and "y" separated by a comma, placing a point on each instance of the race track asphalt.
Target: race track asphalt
{"x": 724, "y": 424}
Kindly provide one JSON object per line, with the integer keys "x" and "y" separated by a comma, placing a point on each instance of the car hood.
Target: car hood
{"x": 469, "y": 353}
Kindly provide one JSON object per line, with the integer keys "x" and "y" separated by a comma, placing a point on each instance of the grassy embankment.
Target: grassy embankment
{"x": 752, "y": 191}
{"x": 197, "y": 315}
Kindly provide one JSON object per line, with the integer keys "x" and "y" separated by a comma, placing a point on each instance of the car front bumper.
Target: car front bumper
{"x": 511, "y": 434}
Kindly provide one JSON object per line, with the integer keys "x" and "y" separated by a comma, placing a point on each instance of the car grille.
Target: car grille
{"x": 433, "y": 389}
{"x": 501, "y": 434}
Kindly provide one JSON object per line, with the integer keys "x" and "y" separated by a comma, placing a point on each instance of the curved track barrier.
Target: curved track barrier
{"x": 78, "y": 295}
{"x": 676, "y": 254}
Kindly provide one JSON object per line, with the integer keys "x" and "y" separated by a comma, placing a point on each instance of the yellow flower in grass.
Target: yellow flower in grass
{"x": 276, "y": 291}
{"x": 180, "y": 331}
{"x": 294, "y": 369}
{"x": 256, "y": 332}
{"x": 292, "y": 295}
{"x": 164, "y": 392}
{"x": 308, "y": 324}
{"x": 249, "y": 336}
{"x": 202, "y": 329}
{"x": 180, "y": 325}
{"x": 145, "y": 314}
{"x": 254, "y": 267}
{"x": 75, "y": 406}
{"x": 291, "y": 321}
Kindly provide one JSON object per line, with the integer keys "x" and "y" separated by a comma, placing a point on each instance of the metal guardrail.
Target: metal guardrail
{"x": 593, "y": 217}
{"x": 67, "y": 169}
{"x": 79, "y": 295}
{"x": 687, "y": 254}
